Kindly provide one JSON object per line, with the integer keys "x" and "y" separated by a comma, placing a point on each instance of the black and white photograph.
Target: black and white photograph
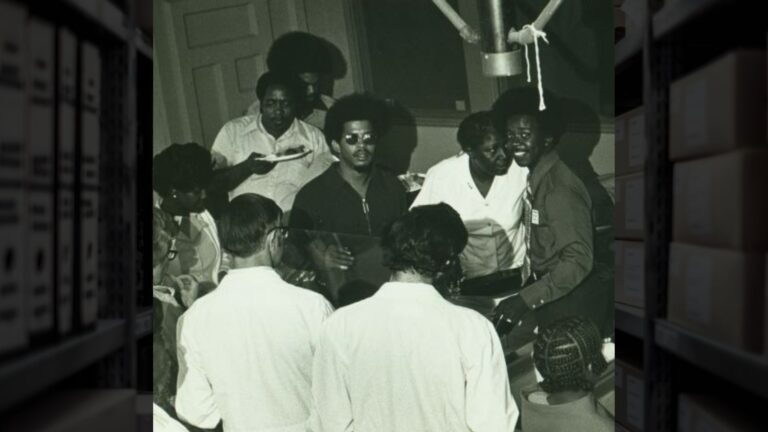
{"x": 383, "y": 215}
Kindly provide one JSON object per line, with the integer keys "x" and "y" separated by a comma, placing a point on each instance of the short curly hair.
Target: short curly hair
{"x": 290, "y": 82}
{"x": 427, "y": 239}
{"x": 183, "y": 167}
{"x": 297, "y": 52}
{"x": 358, "y": 106}
{"x": 245, "y": 222}
{"x": 474, "y": 128}
{"x": 525, "y": 101}
{"x": 568, "y": 355}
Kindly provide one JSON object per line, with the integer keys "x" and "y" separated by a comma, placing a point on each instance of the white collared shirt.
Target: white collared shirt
{"x": 238, "y": 138}
{"x": 408, "y": 360}
{"x": 245, "y": 354}
{"x": 494, "y": 222}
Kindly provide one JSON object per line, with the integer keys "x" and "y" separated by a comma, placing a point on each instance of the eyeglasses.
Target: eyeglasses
{"x": 367, "y": 138}
{"x": 282, "y": 231}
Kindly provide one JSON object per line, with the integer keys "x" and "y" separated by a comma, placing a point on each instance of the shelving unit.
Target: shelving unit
{"x": 747, "y": 370}
{"x": 679, "y": 36}
{"x": 105, "y": 356}
{"x": 629, "y": 319}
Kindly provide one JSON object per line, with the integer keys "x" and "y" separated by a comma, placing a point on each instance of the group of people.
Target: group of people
{"x": 244, "y": 343}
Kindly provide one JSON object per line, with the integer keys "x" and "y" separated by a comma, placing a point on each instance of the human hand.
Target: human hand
{"x": 337, "y": 257}
{"x": 469, "y": 34}
{"x": 509, "y": 314}
{"x": 189, "y": 289}
{"x": 258, "y": 166}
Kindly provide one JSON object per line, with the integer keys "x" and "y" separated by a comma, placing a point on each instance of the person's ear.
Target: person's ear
{"x": 549, "y": 142}
{"x": 174, "y": 193}
{"x": 335, "y": 146}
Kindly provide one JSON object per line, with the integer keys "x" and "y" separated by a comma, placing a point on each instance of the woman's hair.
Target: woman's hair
{"x": 427, "y": 239}
{"x": 183, "y": 167}
{"x": 245, "y": 222}
{"x": 299, "y": 52}
{"x": 354, "y": 107}
{"x": 474, "y": 128}
{"x": 568, "y": 355}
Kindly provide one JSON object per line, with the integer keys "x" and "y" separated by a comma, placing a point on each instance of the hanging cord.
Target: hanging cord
{"x": 536, "y": 34}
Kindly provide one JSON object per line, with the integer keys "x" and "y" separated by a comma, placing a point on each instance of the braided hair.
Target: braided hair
{"x": 568, "y": 355}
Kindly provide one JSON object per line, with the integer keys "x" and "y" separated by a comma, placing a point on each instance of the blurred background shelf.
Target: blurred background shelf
{"x": 28, "y": 374}
{"x": 676, "y": 14}
{"x": 747, "y": 370}
{"x": 143, "y": 325}
{"x": 103, "y": 13}
{"x": 630, "y": 319}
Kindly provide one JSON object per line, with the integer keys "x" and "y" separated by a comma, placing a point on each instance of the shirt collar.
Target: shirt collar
{"x": 547, "y": 161}
{"x": 255, "y": 125}
{"x": 253, "y": 272}
{"x": 408, "y": 291}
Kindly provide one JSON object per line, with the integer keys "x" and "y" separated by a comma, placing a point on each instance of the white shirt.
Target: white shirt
{"x": 162, "y": 422}
{"x": 408, "y": 360}
{"x": 494, "y": 222}
{"x": 238, "y": 138}
{"x": 245, "y": 354}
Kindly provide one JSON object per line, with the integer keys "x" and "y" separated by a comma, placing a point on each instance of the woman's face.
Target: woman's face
{"x": 190, "y": 202}
{"x": 492, "y": 157}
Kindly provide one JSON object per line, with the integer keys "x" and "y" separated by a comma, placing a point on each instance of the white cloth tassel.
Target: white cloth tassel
{"x": 536, "y": 35}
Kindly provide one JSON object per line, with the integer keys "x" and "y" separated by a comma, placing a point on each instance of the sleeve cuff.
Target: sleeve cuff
{"x": 534, "y": 295}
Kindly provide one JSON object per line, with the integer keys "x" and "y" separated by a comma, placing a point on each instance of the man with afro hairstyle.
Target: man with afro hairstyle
{"x": 306, "y": 57}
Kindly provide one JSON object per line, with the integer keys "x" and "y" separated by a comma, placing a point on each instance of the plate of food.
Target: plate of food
{"x": 287, "y": 154}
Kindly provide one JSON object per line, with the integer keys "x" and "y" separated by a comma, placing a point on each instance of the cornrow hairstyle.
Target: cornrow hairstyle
{"x": 474, "y": 128}
{"x": 427, "y": 239}
{"x": 568, "y": 355}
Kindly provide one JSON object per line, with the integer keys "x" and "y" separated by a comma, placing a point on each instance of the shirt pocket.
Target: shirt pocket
{"x": 542, "y": 234}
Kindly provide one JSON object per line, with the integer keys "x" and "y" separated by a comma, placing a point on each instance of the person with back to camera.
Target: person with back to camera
{"x": 568, "y": 355}
{"x": 406, "y": 359}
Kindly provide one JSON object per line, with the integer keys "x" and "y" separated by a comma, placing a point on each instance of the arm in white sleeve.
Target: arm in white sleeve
{"x": 428, "y": 193}
{"x": 333, "y": 408}
{"x": 489, "y": 404}
{"x": 195, "y": 402}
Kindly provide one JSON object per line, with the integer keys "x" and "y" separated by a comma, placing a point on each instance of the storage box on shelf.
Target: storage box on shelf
{"x": 718, "y": 294}
{"x": 629, "y": 211}
{"x": 719, "y": 201}
{"x": 630, "y": 397}
{"x": 630, "y": 273}
{"x": 715, "y": 109}
{"x": 631, "y": 146}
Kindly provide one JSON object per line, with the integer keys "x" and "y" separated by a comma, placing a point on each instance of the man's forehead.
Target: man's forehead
{"x": 277, "y": 92}
{"x": 522, "y": 120}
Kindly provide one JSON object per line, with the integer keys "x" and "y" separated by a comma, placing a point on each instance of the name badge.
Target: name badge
{"x": 535, "y": 217}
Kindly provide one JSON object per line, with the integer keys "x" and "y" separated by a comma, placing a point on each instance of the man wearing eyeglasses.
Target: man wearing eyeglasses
{"x": 245, "y": 350}
{"x": 350, "y": 203}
